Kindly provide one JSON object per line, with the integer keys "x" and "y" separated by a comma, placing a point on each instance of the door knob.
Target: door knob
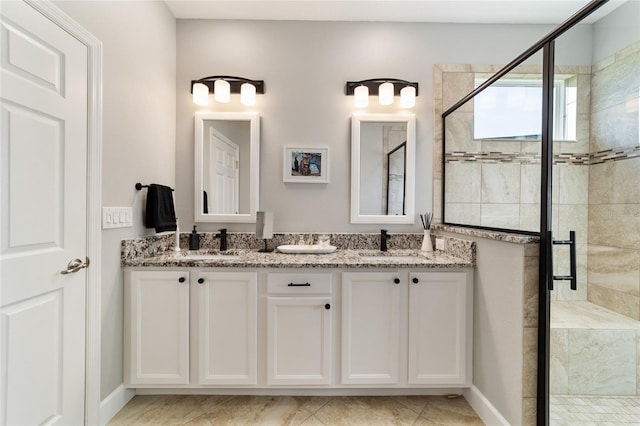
{"x": 75, "y": 265}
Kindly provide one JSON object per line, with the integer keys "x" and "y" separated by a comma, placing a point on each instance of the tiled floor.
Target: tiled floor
{"x": 295, "y": 410}
{"x": 592, "y": 410}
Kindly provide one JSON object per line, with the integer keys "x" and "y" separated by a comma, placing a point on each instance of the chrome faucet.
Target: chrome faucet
{"x": 223, "y": 239}
{"x": 383, "y": 239}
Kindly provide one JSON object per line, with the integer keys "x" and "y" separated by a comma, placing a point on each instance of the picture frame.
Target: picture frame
{"x": 306, "y": 164}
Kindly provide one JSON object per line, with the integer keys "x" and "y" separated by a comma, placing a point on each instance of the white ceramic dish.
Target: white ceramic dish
{"x": 306, "y": 249}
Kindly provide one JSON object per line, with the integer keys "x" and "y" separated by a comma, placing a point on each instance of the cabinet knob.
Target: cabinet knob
{"x": 415, "y": 280}
{"x": 396, "y": 280}
{"x": 181, "y": 279}
{"x": 200, "y": 280}
{"x": 327, "y": 306}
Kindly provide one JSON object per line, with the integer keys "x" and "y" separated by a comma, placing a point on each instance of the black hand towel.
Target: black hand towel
{"x": 160, "y": 213}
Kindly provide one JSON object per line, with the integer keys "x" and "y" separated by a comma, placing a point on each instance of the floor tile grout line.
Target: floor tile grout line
{"x": 322, "y": 406}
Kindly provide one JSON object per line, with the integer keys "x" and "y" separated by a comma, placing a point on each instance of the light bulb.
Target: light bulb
{"x": 222, "y": 91}
{"x": 361, "y": 97}
{"x": 385, "y": 93}
{"x": 200, "y": 94}
{"x": 408, "y": 97}
{"x": 248, "y": 94}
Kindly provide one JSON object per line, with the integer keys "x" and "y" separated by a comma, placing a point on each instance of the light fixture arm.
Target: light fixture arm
{"x": 374, "y": 83}
{"x": 234, "y": 82}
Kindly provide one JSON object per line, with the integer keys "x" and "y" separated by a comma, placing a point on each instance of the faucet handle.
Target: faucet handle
{"x": 223, "y": 231}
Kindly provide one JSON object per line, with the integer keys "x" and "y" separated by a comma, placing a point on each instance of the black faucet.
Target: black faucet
{"x": 223, "y": 239}
{"x": 383, "y": 239}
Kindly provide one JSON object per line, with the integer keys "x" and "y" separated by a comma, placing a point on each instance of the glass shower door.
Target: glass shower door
{"x": 595, "y": 329}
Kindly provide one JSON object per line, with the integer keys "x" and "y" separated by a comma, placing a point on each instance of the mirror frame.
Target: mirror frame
{"x": 254, "y": 166}
{"x": 356, "y": 121}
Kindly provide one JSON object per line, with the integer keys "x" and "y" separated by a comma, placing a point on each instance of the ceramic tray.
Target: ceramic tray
{"x": 306, "y": 249}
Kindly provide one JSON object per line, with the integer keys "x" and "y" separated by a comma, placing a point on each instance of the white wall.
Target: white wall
{"x": 305, "y": 66}
{"x": 616, "y": 31}
{"x": 138, "y": 142}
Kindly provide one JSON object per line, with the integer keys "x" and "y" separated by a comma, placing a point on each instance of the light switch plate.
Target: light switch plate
{"x": 439, "y": 243}
{"x": 117, "y": 217}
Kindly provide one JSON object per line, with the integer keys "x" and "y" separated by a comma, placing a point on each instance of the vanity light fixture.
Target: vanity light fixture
{"x": 408, "y": 97}
{"x": 385, "y": 93}
{"x": 385, "y": 89}
{"x": 223, "y": 86}
{"x": 361, "y": 96}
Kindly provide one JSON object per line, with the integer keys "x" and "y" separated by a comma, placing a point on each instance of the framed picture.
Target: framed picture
{"x": 306, "y": 165}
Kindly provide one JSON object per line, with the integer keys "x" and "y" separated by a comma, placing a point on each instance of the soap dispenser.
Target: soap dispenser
{"x": 194, "y": 240}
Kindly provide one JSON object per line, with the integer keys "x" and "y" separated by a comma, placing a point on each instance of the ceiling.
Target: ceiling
{"x": 450, "y": 11}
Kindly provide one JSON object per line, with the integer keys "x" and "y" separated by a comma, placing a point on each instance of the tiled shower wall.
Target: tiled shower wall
{"x": 596, "y": 178}
{"x": 614, "y": 184}
{"x": 497, "y": 183}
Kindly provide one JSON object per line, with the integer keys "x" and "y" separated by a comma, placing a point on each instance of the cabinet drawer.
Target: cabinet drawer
{"x": 301, "y": 283}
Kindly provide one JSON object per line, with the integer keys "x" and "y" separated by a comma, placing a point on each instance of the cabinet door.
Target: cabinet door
{"x": 299, "y": 340}
{"x": 439, "y": 339}
{"x": 370, "y": 327}
{"x": 227, "y": 327}
{"x": 157, "y": 328}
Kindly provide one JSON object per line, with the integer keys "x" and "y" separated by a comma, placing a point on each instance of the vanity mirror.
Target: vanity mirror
{"x": 226, "y": 166}
{"x": 382, "y": 168}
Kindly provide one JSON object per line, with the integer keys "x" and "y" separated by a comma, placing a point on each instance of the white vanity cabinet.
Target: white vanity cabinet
{"x": 371, "y": 327}
{"x": 406, "y": 328}
{"x": 440, "y": 328}
{"x": 190, "y": 328}
{"x": 299, "y": 313}
{"x": 198, "y": 328}
{"x": 226, "y": 322}
{"x": 156, "y": 317}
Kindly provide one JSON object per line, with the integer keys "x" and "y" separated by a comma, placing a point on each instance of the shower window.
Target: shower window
{"x": 511, "y": 108}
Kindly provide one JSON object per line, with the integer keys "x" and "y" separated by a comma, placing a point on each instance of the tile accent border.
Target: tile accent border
{"x": 617, "y": 154}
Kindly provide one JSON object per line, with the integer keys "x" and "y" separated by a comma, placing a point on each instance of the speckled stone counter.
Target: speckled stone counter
{"x": 157, "y": 251}
{"x": 507, "y": 237}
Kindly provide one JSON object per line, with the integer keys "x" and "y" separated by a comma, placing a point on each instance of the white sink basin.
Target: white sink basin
{"x": 404, "y": 258}
{"x": 212, "y": 256}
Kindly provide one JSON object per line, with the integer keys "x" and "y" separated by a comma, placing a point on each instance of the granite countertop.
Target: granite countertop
{"x": 247, "y": 258}
{"x": 508, "y": 237}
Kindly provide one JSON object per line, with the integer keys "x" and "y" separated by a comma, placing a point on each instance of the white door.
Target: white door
{"x": 371, "y": 327}
{"x": 43, "y": 107}
{"x": 225, "y": 181}
{"x": 227, "y": 321}
{"x": 156, "y": 346}
{"x": 299, "y": 340}
{"x": 439, "y": 328}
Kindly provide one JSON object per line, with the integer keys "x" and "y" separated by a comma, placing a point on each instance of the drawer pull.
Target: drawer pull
{"x": 182, "y": 279}
{"x": 327, "y": 306}
{"x": 299, "y": 285}
{"x": 415, "y": 280}
{"x": 396, "y": 280}
{"x": 200, "y": 280}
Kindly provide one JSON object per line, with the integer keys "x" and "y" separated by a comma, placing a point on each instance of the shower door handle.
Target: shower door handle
{"x": 571, "y": 242}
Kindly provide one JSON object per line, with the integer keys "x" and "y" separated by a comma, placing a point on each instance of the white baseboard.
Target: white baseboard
{"x": 487, "y": 412}
{"x": 113, "y": 403}
{"x": 300, "y": 391}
